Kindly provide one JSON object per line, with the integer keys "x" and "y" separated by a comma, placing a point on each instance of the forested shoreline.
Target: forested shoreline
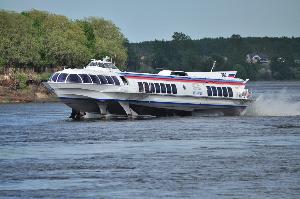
{"x": 34, "y": 43}
{"x": 279, "y": 57}
{"x": 37, "y": 41}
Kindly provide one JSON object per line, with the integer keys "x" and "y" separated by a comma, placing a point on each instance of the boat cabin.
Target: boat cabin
{"x": 106, "y": 63}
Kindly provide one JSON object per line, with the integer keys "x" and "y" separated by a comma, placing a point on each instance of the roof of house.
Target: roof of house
{"x": 261, "y": 55}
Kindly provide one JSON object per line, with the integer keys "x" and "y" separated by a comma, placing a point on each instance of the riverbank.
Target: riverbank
{"x": 30, "y": 94}
{"x": 21, "y": 86}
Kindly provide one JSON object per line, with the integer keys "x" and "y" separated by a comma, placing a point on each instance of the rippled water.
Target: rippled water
{"x": 44, "y": 154}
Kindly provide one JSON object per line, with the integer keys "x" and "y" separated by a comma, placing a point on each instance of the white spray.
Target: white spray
{"x": 276, "y": 104}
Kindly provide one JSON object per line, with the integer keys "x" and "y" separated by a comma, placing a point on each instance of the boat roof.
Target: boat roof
{"x": 106, "y": 62}
{"x": 217, "y": 75}
{"x": 174, "y": 77}
{"x": 106, "y": 66}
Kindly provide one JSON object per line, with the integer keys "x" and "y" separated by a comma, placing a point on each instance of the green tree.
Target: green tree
{"x": 109, "y": 41}
{"x": 18, "y": 46}
{"x": 281, "y": 69}
{"x": 62, "y": 42}
{"x": 179, "y": 36}
{"x": 241, "y": 71}
{"x": 40, "y": 39}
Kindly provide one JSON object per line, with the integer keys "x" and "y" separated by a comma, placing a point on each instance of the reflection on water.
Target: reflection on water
{"x": 44, "y": 154}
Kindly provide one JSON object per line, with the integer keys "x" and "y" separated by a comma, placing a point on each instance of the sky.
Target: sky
{"x": 145, "y": 20}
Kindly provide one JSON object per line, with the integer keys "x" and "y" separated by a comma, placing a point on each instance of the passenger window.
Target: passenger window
{"x": 95, "y": 79}
{"x": 225, "y": 94}
{"x": 163, "y": 88}
{"x": 124, "y": 80}
{"x": 141, "y": 87}
{"x": 230, "y": 93}
{"x": 102, "y": 79}
{"x": 174, "y": 89}
{"x": 169, "y": 91}
{"x": 109, "y": 80}
{"x": 157, "y": 87}
{"x": 54, "y": 77}
{"x": 73, "y": 78}
{"x": 219, "y": 91}
{"x": 152, "y": 88}
{"x": 209, "y": 92}
{"x": 117, "y": 82}
{"x": 62, "y": 77}
{"x": 146, "y": 87}
{"x": 214, "y": 91}
{"x": 85, "y": 78}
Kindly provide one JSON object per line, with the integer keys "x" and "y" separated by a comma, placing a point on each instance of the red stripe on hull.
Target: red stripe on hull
{"x": 185, "y": 80}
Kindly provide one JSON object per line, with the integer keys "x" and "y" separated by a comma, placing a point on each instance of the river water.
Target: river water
{"x": 45, "y": 154}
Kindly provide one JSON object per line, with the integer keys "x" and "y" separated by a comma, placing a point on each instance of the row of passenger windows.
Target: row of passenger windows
{"x": 85, "y": 78}
{"x": 219, "y": 91}
{"x": 157, "y": 88}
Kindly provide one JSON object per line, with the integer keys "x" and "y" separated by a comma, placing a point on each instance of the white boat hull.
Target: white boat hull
{"x": 87, "y": 99}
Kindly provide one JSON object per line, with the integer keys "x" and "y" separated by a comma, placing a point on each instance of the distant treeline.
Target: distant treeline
{"x": 280, "y": 56}
{"x": 36, "y": 39}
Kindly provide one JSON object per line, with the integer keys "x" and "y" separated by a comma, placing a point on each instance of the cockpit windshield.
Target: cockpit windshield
{"x": 103, "y": 65}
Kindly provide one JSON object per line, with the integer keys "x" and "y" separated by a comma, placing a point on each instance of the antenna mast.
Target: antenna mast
{"x": 212, "y": 68}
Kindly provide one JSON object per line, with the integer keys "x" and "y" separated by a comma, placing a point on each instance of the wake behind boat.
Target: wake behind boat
{"x": 102, "y": 88}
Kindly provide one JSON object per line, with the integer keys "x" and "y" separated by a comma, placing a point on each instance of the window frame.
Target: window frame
{"x": 174, "y": 89}
{"x": 141, "y": 87}
{"x": 73, "y": 82}
{"x": 64, "y": 79}
{"x": 124, "y": 80}
{"x": 55, "y": 74}
{"x": 163, "y": 88}
{"x": 230, "y": 92}
{"x": 116, "y": 80}
{"x": 109, "y": 79}
{"x": 91, "y": 76}
{"x": 146, "y": 87}
{"x": 220, "y": 91}
{"x": 157, "y": 87}
{"x": 169, "y": 89}
{"x": 102, "y": 79}
{"x": 152, "y": 88}
{"x": 214, "y": 91}
{"x": 209, "y": 91}
{"x": 226, "y": 92}
{"x": 82, "y": 78}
